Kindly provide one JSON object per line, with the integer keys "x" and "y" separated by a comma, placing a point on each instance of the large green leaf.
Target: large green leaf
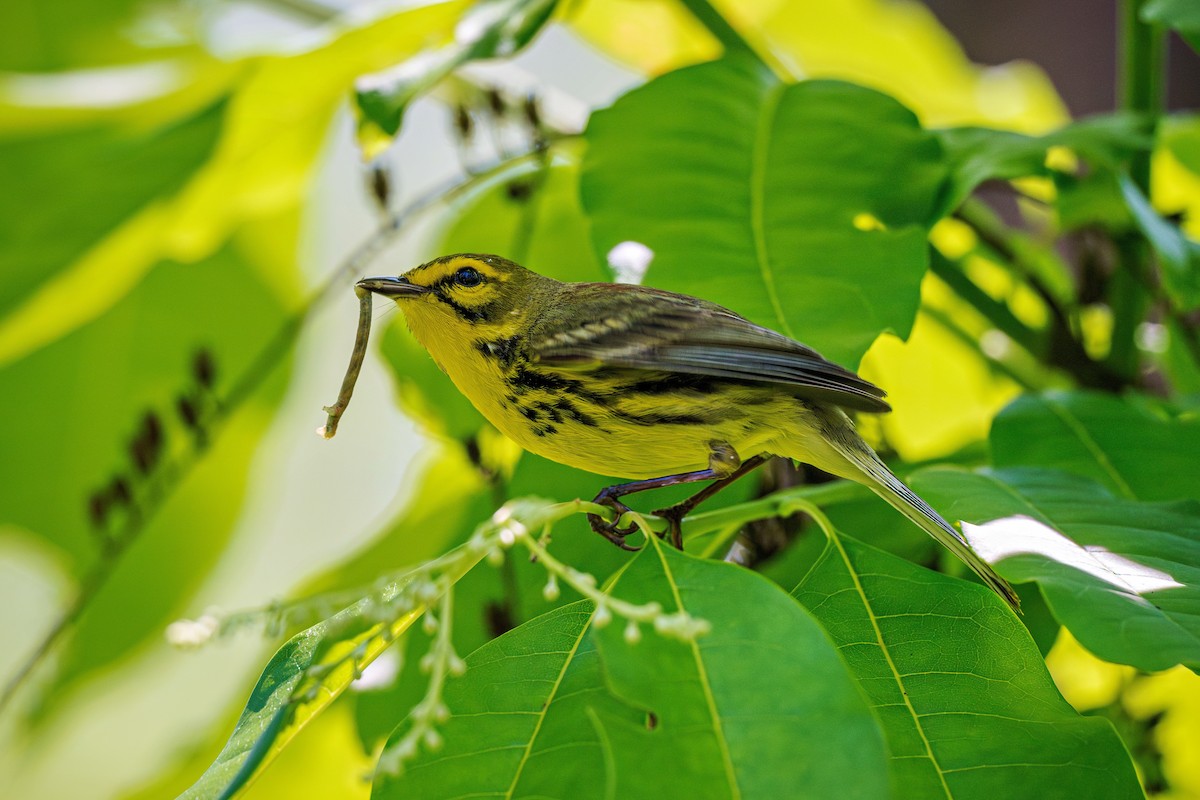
{"x": 1123, "y": 576}
{"x": 1137, "y": 453}
{"x": 802, "y": 206}
{"x": 760, "y": 706}
{"x": 964, "y": 697}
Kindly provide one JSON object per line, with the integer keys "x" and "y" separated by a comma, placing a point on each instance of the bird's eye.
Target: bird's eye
{"x": 468, "y": 277}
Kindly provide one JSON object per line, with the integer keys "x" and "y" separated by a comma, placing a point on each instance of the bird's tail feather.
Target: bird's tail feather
{"x": 881, "y": 480}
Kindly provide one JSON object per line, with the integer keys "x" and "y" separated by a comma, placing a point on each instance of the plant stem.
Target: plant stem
{"x": 734, "y": 43}
{"x": 995, "y": 311}
{"x": 1141, "y": 80}
{"x": 1007, "y": 370}
{"x": 1141, "y": 85}
{"x": 778, "y": 504}
{"x": 1063, "y": 349}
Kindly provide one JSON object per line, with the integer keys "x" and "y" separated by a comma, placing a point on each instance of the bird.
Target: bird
{"x": 651, "y": 386}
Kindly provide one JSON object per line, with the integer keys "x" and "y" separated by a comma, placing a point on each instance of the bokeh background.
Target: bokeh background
{"x": 180, "y": 177}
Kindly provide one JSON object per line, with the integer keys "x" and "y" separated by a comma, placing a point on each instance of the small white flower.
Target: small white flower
{"x": 192, "y": 632}
{"x": 629, "y": 261}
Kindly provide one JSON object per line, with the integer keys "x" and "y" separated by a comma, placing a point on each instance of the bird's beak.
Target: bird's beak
{"x": 392, "y": 287}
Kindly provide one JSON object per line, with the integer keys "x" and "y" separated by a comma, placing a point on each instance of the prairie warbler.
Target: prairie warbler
{"x": 653, "y": 386}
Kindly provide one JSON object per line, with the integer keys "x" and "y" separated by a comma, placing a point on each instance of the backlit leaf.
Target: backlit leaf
{"x": 1123, "y": 576}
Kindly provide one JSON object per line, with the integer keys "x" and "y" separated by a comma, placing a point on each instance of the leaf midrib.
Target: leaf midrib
{"x": 1075, "y": 425}
{"x": 758, "y": 176}
{"x": 726, "y": 758}
{"x": 883, "y": 648}
{"x": 570, "y": 657}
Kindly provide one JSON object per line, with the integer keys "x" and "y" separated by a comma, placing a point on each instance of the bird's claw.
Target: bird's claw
{"x": 613, "y": 531}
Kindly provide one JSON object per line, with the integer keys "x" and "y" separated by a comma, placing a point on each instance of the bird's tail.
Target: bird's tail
{"x": 840, "y": 434}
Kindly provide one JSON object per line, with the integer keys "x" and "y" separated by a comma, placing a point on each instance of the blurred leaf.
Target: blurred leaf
{"x": 82, "y": 400}
{"x": 943, "y": 392}
{"x": 1181, "y": 15}
{"x": 1137, "y": 454}
{"x": 37, "y": 36}
{"x": 901, "y": 48}
{"x": 1178, "y": 255}
{"x": 279, "y": 120}
{"x": 307, "y": 674}
{"x": 491, "y": 29}
{"x": 1090, "y": 200}
{"x": 531, "y": 213}
{"x": 981, "y": 154}
{"x": 133, "y": 99}
{"x": 965, "y": 700}
{"x": 1123, "y": 576}
{"x": 898, "y": 48}
{"x": 803, "y": 207}
{"x": 80, "y": 222}
{"x": 759, "y": 707}
{"x": 449, "y": 500}
{"x": 1180, "y": 133}
{"x": 184, "y": 196}
{"x": 654, "y": 36}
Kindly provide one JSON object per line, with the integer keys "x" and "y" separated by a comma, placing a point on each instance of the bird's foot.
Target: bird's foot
{"x": 613, "y": 531}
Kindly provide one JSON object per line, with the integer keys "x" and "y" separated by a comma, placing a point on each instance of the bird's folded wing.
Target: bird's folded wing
{"x": 640, "y": 328}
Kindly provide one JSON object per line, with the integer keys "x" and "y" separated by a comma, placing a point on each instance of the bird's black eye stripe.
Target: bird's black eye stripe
{"x": 468, "y": 276}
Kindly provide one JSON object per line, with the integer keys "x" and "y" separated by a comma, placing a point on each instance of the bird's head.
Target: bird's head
{"x": 463, "y": 296}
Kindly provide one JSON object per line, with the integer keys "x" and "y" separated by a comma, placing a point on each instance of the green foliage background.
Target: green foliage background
{"x": 183, "y": 220}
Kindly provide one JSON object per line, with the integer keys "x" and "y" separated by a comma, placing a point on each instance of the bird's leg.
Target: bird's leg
{"x": 724, "y": 466}
{"x": 674, "y": 514}
{"x": 609, "y": 497}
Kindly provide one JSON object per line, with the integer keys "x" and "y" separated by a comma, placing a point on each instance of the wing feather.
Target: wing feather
{"x": 640, "y": 328}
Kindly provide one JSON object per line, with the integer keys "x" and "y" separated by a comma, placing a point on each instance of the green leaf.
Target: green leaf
{"x": 1180, "y": 134}
{"x": 35, "y": 37}
{"x": 981, "y": 154}
{"x": 1178, "y": 255}
{"x": 491, "y": 29}
{"x": 81, "y": 401}
{"x": 74, "y": 197}
{"x": 801, "y": 206}
{"x": 761, "y": 706}
{"x": 1123, "y": 576}
{"x": 301, "y": 680}
{"x": 1135, "y": 452}
{"x": 964, "y": 697}
{"x": 531, "y": 214}
{"x": 1181, "y": 15}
